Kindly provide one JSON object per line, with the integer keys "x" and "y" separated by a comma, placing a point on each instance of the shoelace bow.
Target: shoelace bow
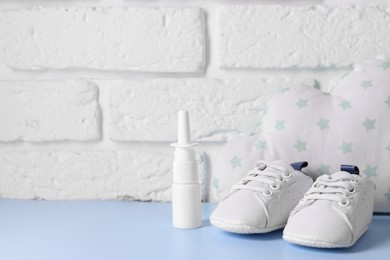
{"x": 272, "y": 179}
{"x": 327, "y": 188}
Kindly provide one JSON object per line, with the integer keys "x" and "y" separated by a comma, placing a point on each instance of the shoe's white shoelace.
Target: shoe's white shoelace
{"x": 327, "y": 188}
{"x": 265, "y": 180}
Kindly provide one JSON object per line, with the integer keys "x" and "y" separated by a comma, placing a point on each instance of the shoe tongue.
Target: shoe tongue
{"x": 342, "y": 175}
{"x": 320, "y": 205}
{"x": 283, "y": 164}
{"x": 276, "y": 163}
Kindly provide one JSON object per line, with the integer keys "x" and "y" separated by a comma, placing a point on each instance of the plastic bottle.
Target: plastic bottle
{"x": 186, "y": 199}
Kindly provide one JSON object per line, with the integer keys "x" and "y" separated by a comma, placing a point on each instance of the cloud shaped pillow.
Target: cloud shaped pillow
{"x": 349, "y": 125}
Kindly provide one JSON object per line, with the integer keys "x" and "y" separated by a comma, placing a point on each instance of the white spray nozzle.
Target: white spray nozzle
{"x": 183, "y": 131}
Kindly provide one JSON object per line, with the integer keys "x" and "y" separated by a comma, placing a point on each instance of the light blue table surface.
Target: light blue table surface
{"x": 116, "y": 230}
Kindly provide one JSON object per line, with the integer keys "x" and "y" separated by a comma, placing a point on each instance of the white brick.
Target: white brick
{"x": 48, "y": 111}
{"x": 58, "y": 175}
{"x": 104, "y": 38}
{"x": 266, "y": 36}
{"x": 146, "y": 110}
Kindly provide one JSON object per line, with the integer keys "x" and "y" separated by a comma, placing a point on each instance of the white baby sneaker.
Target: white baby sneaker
{"x": 261, "y": 202}
{"x": 335, "y": 212}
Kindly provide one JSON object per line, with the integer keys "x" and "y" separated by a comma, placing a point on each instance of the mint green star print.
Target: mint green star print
{"x": 260, "y": 145}
{"x": 323, "y": 124}
{"x": 236, "y": 162}
{"x": 216, "y": 183}
{"x": 370, "y": 171}
{"x": 385, "y": 65}
{"x": 366, "y": 84}
{"x": 324, "y": 168}
{"x": 344, "y": 75}
{"x": 346, "y": 147}
{"x": 387, "y": 195}
{"x": 300, "y": 146}
{"x": 388, "y": 148}
{"x": 317, "y": 85}
{"x": 388, "y": 101}
{"x": 369, "y": 124}
{"x": 279, "y": 125}
{"x": 345, "y": 104}
{"x": 283, "y": 90}
{"x": 302, "y": 103}
{"x": 264, "y": 110}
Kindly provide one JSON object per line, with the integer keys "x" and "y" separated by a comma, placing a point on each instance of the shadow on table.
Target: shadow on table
{"x": 261, "y": 237}
{"x": 206, "y": 222}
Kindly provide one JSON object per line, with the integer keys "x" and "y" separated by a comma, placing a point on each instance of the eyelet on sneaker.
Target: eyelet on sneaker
{"x": 346, "y": 196}
{"x": 287, "y": 174}
{"x": 352, "y": 191}
{"x": 260, "y": 166}
{"x": 267, "y": 193}
{"x": 354, "y": 181}
{"x": 275, "y": 186}
{"x": 253, "y": 172}
{"x": 344, "y": 203}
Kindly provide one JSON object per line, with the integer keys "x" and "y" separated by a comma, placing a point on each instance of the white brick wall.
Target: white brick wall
{"x": 107, "y": 38}
{"x": 305, "y": 37}
{"x": 89, "y": 90}
{"x": 87, "y": 175}
{"x": 219, "y": 108}
{"x": 40, "y": 111}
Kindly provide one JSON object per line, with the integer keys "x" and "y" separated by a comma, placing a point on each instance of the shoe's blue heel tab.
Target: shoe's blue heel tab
{"x": 352, "y": 169}
{"x": 298, "y": 166}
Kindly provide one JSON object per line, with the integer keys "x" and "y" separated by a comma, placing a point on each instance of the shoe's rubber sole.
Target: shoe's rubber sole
{"x": 319, "y": 243}
{"x": 243, "y": 229}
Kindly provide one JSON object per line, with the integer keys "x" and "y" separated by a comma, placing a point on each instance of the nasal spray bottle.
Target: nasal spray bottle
{"x": 186, "y": 212}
